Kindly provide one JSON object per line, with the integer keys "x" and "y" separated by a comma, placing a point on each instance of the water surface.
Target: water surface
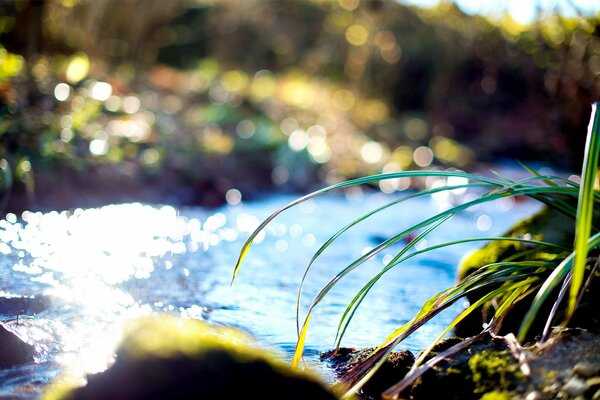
{"x": 104, "y": 266}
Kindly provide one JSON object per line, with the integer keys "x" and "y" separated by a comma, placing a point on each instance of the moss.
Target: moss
{"x": 468, "y": 374}
{"x": 493, "y": 370}
{"x": 548, "y": 225}
{"x": 172, "y": 358}
{"x": 498, "y": 395}
{"x": 550, "y": 376}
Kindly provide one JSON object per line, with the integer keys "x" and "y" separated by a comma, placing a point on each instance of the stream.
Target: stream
{"x": 101, "y": 267}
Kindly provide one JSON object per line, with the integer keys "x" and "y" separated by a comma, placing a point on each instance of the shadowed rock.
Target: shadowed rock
{"x": 393, "y": 370}
{"x": 174, "y": 359}
{"x": 13, "y": 350}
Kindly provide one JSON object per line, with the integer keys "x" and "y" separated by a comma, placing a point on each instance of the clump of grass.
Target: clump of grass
{"x": 505, "y": 282}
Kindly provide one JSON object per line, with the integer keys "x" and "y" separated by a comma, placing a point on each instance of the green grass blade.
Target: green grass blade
{"x": 556, "y": 277}
{"x": 516, "y": 289}
{"x": 555, "y": 203}
{"x": 434, "y": 306}
{"x": 377, "y": 249}
{"x": 362, "y": 372}
{"x": 374, "y": 178}
{"x": 511, "y": 299}
{"x": 326, "y": 288}
{"x": 340, "y": 334}
{"x": 585, "y": 207}
{"x": 362, "y": 218}
{"x": 359, "y": 297}
{"x": 332, "y": 282}
{"x": 535, "y": 173}
{"x": 299, "y": 350}
{"x": 563, "y": 290}
{"x": 409, "y": 379}
{"x": 350, "y": 183}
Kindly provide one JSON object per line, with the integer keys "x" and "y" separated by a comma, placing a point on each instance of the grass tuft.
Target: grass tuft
{"x": 501, "y": 284}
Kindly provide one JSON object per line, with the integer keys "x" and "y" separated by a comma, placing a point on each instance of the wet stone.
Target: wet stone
{"x": 534, "y": 395}
{"x": 574, "y": 387}
{"x": 586, "y": 369}
{"x": 593, "y": 382}
{"x": 391, "y": 372}
{"x": 13, "y": 350}
{"x": 194, "y": 360}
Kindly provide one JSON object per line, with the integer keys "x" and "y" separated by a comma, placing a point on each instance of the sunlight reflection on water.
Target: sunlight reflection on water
{"x": 104, "y": 266}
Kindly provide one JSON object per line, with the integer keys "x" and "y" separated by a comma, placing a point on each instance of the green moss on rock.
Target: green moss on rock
{"x": 485, "y": 367}
{"x": 493, "y": 370}
{"x": 498, "y": 395}
{"x": 169, "y": 358}
{"x": 548, "y": 225}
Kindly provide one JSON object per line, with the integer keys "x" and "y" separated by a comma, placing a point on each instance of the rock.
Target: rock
{"x": 586, "y": 369}
{"x": 487, "y": 369}
{"x": 535, "y": 395}
{"x": 344, "y": 358}
{"x": 593, "y": 382}
{"x": 13, "y": 350}
{"x": 180, "y": 359}
{"x": 484, "y": 367}
{"x": 574, "y": 387}
{"x": 392, "y": 371}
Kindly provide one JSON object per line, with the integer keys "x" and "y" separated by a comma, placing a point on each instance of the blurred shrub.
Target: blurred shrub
{"x": 252, "y": 93}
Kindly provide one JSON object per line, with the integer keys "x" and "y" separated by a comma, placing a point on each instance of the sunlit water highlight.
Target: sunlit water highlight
{"x": 102, "y": 267}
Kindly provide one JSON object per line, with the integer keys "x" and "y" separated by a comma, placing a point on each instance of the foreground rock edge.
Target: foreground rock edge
{"x": 166, "y": 357}
{"x": 493, "y": 368}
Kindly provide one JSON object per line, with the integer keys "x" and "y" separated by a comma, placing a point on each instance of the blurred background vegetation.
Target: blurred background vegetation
{"x": 183, "y": 101}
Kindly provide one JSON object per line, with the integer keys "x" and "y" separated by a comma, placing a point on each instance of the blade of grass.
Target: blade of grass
{"x": 535, "y": 173}
{"x": 514, "y": 184}
{"x": 360, "y": 374}
{"x": 557, "y": 204}
{"x": 461, "y": 286}
{"x": 350, "y": 183}
{"x": 362, "y": 218}
{"x": 561, "y": 294}
{"x": 374, "y": 178}
{"x": 557, "y": 276}
{"x": 511, "y": 299}
{"x": 357, "y": 300}
{"x": 387, "y": 243}
{"x": 585, "y": 206}
{"x": 353, "y": 305}
{"x": 398, "y": 256}
{"x": 516, "y": 289}
{"x": 415, "y": 227}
